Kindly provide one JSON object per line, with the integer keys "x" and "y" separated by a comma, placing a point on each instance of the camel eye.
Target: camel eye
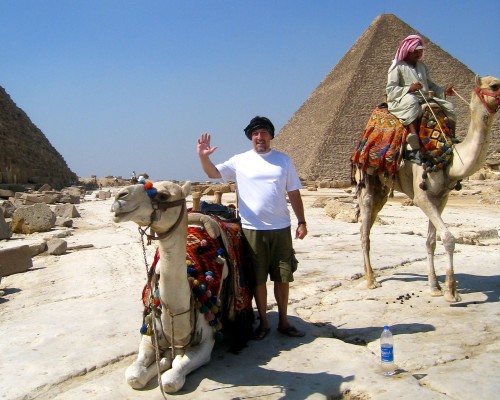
{"x": 494, "y": 87}
{"x": 162, "y": 196}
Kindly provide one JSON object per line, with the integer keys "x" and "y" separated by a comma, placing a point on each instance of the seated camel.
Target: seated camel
{"x": 179, "y": 334}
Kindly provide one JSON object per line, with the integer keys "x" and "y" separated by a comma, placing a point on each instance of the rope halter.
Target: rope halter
{"x": 159, "y": 202}
{"x": 481, "y": 93}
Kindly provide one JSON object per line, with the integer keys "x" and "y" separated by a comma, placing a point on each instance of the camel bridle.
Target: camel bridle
{"x": 481, "y": 93}
{"x": 162, "y": 205}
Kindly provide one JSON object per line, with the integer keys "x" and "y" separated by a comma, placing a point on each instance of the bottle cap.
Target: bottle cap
{"x": 386, "y": 327}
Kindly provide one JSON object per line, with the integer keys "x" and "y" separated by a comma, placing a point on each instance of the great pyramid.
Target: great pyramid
{"x": 322, "y": 134}
{"x": 26, "y": 155}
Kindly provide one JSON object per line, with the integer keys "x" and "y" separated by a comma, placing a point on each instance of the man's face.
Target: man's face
{"x": 414, "y": 56}
{"x": 261, "y": 140}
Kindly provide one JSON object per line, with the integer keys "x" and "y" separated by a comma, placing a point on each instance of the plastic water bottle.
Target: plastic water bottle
{"x": 387, "y": 352}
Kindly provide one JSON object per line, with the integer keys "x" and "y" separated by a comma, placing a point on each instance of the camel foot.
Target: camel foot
{"x": 136, "y": 376}
{"x": 436, "y": 292}
{"x": 452, "y": 297}
{"x": 172, "y": 381}
{"x": 373, "y": 284}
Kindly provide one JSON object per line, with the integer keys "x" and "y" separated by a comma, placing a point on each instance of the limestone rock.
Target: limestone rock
{"x": 71, "y": 199}
{"x": 5, "y": 193}
{"x": 45, "y": 188}
{"x": 340, "y": 211}
{"x": 14, "y": 260}
{"x": 66, "y": 211}
{"x": 32, "y": 198}
{"x": 320, "y": 202}
{"x": 30, "y": 219}
{"x": 8, "y": 208}
{"x": 51, "y": 197}
{"x": 76, "y": 191}
{"x": 37, "y": 248}
{"x": 63, "y": 221}
{"x": 223, "y": 188}
{"x": 5, "y": 232}
{"x": 60, "y": 234}
{"x": 103, "y": 194}
{"x": 57, "y": 246}
{"x": 343, "y": 183}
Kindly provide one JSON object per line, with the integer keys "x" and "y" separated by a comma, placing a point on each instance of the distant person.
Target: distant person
{"x": 264, "y": 177}
{"x": 408, "y": 81}
{"x": 133, "y": 178}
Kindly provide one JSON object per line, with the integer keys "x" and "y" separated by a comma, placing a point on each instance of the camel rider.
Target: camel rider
{"x": 408, "y": 81}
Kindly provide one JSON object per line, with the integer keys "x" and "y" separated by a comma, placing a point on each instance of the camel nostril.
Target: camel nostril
{"x": 121, "y": 195}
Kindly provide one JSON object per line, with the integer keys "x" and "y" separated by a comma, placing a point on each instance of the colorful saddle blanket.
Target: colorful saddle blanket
{"x": 379, "y": 148}
{"x": 222, "y": 305}
{"x": 437, "y": 138}
{"x": 380, "y": 145}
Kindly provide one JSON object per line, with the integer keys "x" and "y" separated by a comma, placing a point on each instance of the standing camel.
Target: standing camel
{"x": 470, "y": 156}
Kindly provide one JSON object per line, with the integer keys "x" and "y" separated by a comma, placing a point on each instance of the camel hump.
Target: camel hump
{"x": 208, "y": 223}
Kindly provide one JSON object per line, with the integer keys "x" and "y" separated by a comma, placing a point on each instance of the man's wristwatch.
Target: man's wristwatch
{"x": 302, "y": 223}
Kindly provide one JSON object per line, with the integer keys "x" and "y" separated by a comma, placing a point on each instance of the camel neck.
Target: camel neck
{"x": 470, "y": 155}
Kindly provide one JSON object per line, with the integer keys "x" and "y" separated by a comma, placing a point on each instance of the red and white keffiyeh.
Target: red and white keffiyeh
{"x": 407, "y": 45}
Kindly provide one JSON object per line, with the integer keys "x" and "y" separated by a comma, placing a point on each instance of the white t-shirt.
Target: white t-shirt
{"x": 263, "y": 181}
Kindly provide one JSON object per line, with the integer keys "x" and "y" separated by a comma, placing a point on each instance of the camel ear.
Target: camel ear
{"x": 186, "y": 189}
{"x": 477, "y": 80}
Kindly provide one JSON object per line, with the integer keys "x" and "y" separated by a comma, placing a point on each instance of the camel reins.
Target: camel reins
{"x": 480, "y": 94}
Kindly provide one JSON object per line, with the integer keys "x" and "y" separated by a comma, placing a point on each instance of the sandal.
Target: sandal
{"x": 260, "y": 333}
{"x": 291, "y": 331}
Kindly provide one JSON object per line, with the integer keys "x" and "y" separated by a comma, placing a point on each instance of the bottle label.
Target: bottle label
{"x": 387, "y": 354}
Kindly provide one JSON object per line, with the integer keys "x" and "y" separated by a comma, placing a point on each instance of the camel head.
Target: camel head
{"x": 157, "y": 208}
{"x": 487, "y": 90}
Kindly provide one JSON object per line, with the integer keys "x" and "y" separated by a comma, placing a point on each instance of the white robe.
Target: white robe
{"x": 406, "y": 106}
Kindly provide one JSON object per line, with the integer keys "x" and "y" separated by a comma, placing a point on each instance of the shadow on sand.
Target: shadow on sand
{"x": 248, "y": 369}
{"x": 7, "y": 292}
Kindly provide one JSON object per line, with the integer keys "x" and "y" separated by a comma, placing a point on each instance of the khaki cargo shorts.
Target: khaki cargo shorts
{"x": 271, "y": 254}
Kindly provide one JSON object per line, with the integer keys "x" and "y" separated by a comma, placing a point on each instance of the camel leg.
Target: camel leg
{"x": 431, "y": 247}
{"x": 173, "y": 380}
{"x": 371, "y": 199}
{"x": 433, "y": 212}
{"x": 144, "y": 367}
{"x": 451, "y": 291}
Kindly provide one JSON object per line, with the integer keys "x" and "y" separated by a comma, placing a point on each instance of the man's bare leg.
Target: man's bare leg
{"x": 260, "y": 296}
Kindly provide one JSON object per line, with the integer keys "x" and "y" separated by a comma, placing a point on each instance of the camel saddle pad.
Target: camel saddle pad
{"x": 437, "y": 138}
{"x": 204, "y": 260}
{"x": 380, "y": 144}
{"x": 204, "y": 263}
{"x": 238, "y": 267}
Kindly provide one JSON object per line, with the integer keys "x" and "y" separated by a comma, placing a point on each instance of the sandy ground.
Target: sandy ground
{"x": 70, "y": 325}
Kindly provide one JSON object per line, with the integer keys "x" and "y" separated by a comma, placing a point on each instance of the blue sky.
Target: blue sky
{"x": 118, "y": 86}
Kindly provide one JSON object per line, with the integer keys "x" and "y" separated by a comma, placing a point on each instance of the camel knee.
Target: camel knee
{"x": 365, "y": 239}
{"x": 431, "y": 244}
{"x": 448, "y": 241}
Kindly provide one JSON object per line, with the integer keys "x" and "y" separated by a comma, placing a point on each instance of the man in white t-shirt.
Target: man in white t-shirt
{"x": 264, "y": 178}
